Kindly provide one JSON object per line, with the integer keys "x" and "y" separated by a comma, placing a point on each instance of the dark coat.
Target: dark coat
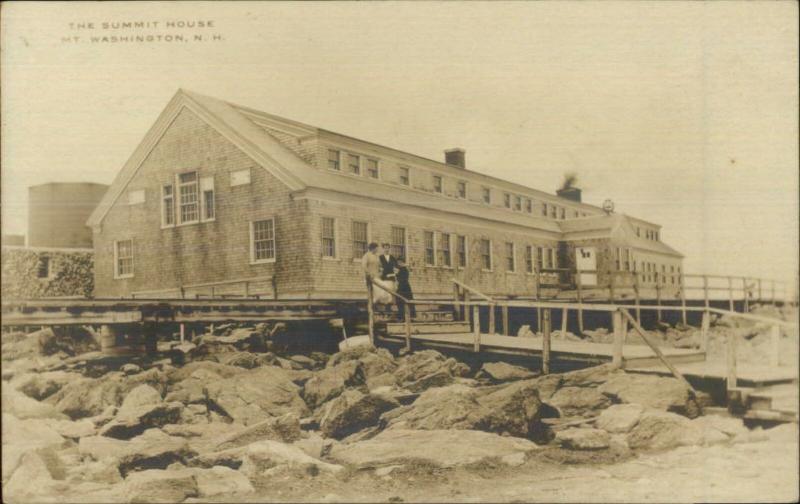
{"x": 403, "y": 286}
{"x": 387, "y": 267}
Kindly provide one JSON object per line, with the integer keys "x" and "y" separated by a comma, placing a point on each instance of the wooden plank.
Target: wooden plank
{"x": 407, "y": 318}
{"x": 370, "y": 313}
{"x": 731, "y": 362}
{"x": 476, "y": 329}
{"x": 564, "y": 318}
{"x": 42, "y": 318}
{"x": 704, "y": 333}
{"x": 657, "y": 350}
{"x": 183, "y": 333}
{"x": 730, "y": 294}
{"x": 504, "y": 312}
{"x": 619, "y": 326}
{"x": 546, "y": 342}
{"x": 705, "y": 290}
{"x": 492, "y": 310}
{"x": 746, "y": 295}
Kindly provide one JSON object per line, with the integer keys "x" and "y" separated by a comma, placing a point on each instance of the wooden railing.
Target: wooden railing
{"x": 621, "y": 318}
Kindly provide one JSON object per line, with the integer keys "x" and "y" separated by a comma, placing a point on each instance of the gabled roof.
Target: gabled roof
{"x": 616, "y": 227}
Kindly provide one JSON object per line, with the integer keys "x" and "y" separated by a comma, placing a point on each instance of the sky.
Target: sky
{"x": 684, "y": 114}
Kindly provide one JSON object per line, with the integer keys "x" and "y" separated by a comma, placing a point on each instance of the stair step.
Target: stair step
{"x": 420, "y": 317}
{"x": 428, "y": 327}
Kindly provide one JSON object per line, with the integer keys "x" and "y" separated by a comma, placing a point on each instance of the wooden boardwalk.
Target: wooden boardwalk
{"x": 582, "y": 351}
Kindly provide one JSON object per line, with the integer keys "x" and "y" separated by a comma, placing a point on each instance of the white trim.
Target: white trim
{"x": 136, "y": 197}
{"x": 253, "y": 259}
{"x": 179, "y": 217}
{"x": 491, "y": 255}
{"x": 64, "y": 250}
{"x": 164, "y": 225}
{"x": 335, "y": 239}
{"x": 117, "y": 275}
{"x": 425, "y": 247}
{"x": 207, "y": 184}
{"x": 239, "y": 174}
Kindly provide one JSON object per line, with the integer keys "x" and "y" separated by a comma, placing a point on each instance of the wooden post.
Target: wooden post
{"x": 611, "y": 278}
{"x": 183, "y": 334}
{"x": 745, "y": 295}
{"x": 658, "y": 296}
{"x": 773, "y": 291}
{"x": 619, "y": 325}
{"x": 731, "y": 370}
{"x": 683, "y": 300}
{"x": 731, "y": 306}
{"x": 704, "y": 335}
{"x": 564, "y": 315}
{"x": 677, "y": 374}
{"x": 705, "y": 290}
{"x": 504, "y": 311}
{"x": 638, "y": 300}
{"x": 458, "y": 309}
{"x": 580, "y": 302}
{"x": 775, "y": 333}
{"x": 546, "y": 341}
{"x": 538, "y": 319}
{"x": 760, "y": 298}
{"x": 407, "y": 318}
{"x": 476, "y": 321}
{"x": 492, "y": 309}
{"x": 370, "y": 313}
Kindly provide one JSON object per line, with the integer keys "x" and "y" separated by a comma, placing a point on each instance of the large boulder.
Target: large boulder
{"x": 353, "y": 411}
{"x": 620, "y": 418}
{"x": 152, "y": 450}
{"x": 91, "y": 396}
{"x": 450, "y": 407}
{"x": 661, "y": 430}
{"x": 428, "y": 368}
{"x": 241, "y": 339}
{"x": 70, "y": 340}
{"x": 24, "y": 436}
{"x": 513, "y": 410}
{"x": 285, "y": 428}
{"x": 23, "y": 407}
{"x": 134, "y": 420}
{"x": 161, "y": 486}
{"x": 210, "y": 368}
{"x": 440, "y": 448}
{"x": 500, "y": 372}
{"x": 657, "y": 392}
{"x": 332, "y": 381}
{"x": 590, "y": 377}
{"x": 30, "y": 481}
{"x": 579, "y": 401}
{"x": 40, "y": 386}
{"x": 257, "y": 394}
{"x": 583, "y": 438}
{"x": 222, "y": 481}
{"x": 73, "y": 429}
{"x": 143, "y": 395}
{"x": 255, "y": 458}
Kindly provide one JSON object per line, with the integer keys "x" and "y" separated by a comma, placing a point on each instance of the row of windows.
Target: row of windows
{"x": 354, "y": 164}
{"x": 649, "y": 234}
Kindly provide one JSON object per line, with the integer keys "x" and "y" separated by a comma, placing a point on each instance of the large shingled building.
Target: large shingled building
{"x": 223, "y": 199}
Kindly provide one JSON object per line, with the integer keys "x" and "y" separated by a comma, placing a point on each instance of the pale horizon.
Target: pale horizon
{"x": 698, "y": 136}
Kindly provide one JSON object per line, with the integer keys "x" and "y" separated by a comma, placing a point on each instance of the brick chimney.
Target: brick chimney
{"x": 570, "y": 193}
{"x": 455, "y": 157}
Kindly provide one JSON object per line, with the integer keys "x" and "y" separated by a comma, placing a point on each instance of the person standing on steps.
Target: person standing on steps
{"x": 371, "y": 265}
{"x": 388, "y": 265}
{"x": 404, "y": 289}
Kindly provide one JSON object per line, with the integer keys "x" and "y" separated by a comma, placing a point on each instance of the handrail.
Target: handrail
{"x": 472, "y": 290}
{"x": 390, "y": 291}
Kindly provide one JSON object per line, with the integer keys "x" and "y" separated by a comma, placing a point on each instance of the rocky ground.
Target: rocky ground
{"x": 225, "y": 420}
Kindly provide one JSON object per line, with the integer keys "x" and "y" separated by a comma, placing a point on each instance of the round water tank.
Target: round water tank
{"x": 57, "y": 213}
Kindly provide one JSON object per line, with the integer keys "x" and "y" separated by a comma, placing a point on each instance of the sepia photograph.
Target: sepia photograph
{"x": 436, "y": 251}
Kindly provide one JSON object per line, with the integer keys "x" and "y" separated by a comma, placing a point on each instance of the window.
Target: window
{"x": 544, "y": 209}
{"x": 553, "y": 211}
{"x": 562, "y": 213}
{"x": 461, "y": 250}
{"x": 518, "y": 203}
{"x": 328, "y": 237}
{"x": 511, "y": 261}
{"x": 638, "y": 232}
{"x": 575, "y": 214}
{"x": 167, "y": 205}
{"x": 528, "y": 205}
{"x": 506, "y": 200}
{"x": 123, "y": 259}
{"x": 618, "y": 258}
{"x": 550, "y": 262}
{"x": 486, "y": 254}
{"x": 262, "y": 241}
{"x": 360, "y": 239}
{"x": 333, "y": 159}
{"x": 528, "y": 259}
{"x": 627, "y": 263}
{"x": 187, "y": 191}
{"x": 487, "y": 195}
{"x": 398, "y": 245}
{"x": 656, "y": 236}
{"x": 207, "y": 186}
{"x": 404, "y": 176}
{"x": 437, "y": 184}
{"x": 43, "y": 267}
{"x": 444, "y": 245}
{"x": 354, "y": 164}
{"x": 462, "y": 189}
{"x": 240, "y": 177}
{"x": 430, "y": 249}
{"x": 539, "y": 259}
{"x": 372, "y": 168}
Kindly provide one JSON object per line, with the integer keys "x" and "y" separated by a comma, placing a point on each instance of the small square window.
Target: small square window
{"x": 437, "y": 184}
{"x": 487, "y": 195}
{"x": 372, "y": 168}
{"x": 354, "y": 164}
{"x": 404, "y": 176}
{"x": 518, "y": 203}
{"x": 528, "y": 205}
{"x": 462, "y": 190}
{"x": 507, "y": 200}
{"x": 333, "y": 159}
